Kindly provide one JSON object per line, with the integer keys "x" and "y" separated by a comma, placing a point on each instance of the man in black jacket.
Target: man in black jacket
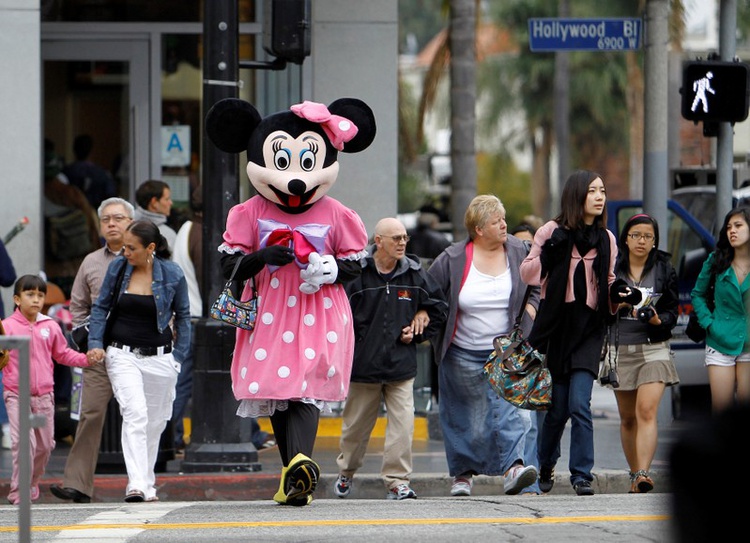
{"x": 395, "y": 305}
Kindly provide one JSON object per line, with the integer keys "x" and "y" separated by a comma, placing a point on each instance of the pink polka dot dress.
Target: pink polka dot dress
{"x": 303, "y": 344}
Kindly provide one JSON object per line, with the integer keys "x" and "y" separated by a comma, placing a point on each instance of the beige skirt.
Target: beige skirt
{"x": 641, "y": 364}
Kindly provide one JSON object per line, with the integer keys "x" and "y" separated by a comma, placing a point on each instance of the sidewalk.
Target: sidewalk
{"x": 430, "y": 477}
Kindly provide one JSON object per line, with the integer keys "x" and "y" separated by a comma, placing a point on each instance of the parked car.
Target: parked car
{"x": 689, "y": 243}
{"x": 700, "y": 202}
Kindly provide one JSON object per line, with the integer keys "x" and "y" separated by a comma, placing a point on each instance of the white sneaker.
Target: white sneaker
{"x": 401, "y": 492}
{"x": 462, "y": 486}
{"x": 519, "y": 477}
{"x": 343, "y": 486}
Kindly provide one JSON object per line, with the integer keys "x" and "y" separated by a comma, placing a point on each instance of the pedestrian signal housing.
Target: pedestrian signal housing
{"x": 286, "y": 29}
{"x": 715, "y": 91}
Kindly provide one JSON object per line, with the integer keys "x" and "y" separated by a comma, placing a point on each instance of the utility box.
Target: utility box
{"x": 218, "y": 441}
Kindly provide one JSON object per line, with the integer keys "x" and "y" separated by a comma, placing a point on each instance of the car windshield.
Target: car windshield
{"x": 700, "y": 202}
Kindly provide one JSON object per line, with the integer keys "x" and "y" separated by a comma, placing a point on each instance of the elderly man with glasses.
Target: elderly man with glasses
{"x": 395, "y": 305}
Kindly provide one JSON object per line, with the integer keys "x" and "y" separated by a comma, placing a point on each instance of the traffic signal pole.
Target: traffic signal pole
{"x": 656, "y": 94}
{"x": 725, "y": 137}
{"x": 220, "y": 440}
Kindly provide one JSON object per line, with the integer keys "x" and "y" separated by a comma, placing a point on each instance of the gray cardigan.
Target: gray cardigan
{"x": 449, "y": 270}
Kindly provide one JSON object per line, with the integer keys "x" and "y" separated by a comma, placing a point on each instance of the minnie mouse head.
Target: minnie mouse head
{"x": 292, "y": 155}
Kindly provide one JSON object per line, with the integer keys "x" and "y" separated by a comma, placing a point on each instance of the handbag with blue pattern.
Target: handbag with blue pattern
{"x": 238, "y": 313}
{"x": 516, "y": 371}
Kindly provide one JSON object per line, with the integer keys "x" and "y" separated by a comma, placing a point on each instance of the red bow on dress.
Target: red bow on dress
{"x": 303, "y": 239}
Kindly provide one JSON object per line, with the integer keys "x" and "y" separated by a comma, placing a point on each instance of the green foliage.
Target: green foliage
{"x": 743, "y": 21}
{"x": 411, "y": 189}
{"x": 598, "y": 81}
{"x": 497, "y": 174}
{"x": 420, "y": 18}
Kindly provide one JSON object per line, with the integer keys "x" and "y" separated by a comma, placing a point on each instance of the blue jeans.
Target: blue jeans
{"x": 570, "y": 400}
{"x": 483, "y": 434}
{"x": 530, "y": 448}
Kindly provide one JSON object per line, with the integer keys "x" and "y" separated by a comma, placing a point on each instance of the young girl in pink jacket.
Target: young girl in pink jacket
{"x": 47, "y": 343}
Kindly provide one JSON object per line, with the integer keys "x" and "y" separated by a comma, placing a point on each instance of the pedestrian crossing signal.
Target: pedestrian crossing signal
{"x": 715, "y": 91}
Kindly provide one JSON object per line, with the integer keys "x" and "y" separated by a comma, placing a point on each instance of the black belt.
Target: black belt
{"x": 140, "y": 352}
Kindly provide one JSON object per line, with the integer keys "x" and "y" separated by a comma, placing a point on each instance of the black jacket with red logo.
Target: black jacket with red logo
{"x": 381, "y": 308}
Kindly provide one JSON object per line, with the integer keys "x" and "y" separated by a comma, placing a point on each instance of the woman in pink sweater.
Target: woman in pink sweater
{"x": 47, "y": 343}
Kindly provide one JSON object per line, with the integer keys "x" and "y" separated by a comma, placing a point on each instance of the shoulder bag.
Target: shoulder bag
{"x": 608, "y": 369}
{"x": 693, "y": 330}
{"x": 233, "y": 311}
{"x": 80, "y": 333}
{"x": 516, "y": 371}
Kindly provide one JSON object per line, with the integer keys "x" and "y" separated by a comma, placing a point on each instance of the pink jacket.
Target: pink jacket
{"x": 47, "y": 343}
{"x": 531, "y": 267}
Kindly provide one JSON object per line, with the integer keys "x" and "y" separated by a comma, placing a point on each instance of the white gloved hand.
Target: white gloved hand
{"x": 321, "y": 270}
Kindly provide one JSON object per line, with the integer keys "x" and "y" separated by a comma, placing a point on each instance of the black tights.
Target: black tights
{"x": 295, "y": 430}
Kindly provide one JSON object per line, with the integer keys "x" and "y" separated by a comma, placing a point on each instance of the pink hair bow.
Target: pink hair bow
{"x": 338, "y": 129}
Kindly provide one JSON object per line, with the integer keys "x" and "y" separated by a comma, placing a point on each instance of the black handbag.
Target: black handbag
{"x": 693, "y": 330}
{"x": 80, "y": 333}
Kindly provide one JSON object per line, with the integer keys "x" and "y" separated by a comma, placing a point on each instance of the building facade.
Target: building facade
{"x": 129, "y": 74}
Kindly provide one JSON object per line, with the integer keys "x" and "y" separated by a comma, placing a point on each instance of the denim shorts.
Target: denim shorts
{"x": 715, "y": 358}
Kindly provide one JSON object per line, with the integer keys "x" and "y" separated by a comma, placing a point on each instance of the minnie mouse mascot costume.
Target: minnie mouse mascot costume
{"x": 299, "y": 245}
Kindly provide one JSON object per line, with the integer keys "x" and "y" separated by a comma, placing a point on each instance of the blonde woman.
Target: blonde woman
{"x": 483, "y": 434}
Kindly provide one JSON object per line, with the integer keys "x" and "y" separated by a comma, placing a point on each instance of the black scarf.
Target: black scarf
{"x": 550, "y": 312}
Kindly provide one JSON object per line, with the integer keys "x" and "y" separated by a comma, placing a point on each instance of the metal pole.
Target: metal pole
{"x": 25, "y": 423}
{"x": 561, "y": 114}
{"x": 655, "y": 165}
{"x": 218, "y": 442}
{"x": 725, "y": 137}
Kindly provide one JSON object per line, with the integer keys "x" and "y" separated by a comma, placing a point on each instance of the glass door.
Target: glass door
{"x": 100, "y": 88}
{"x": 97, "y": 131}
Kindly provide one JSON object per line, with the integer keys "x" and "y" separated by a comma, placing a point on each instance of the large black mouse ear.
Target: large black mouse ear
{"x": 230, "y": 122}
{"x": 362, "y": 116}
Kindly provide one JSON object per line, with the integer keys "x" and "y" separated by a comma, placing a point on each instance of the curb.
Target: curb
{"x": 259, "y": 486}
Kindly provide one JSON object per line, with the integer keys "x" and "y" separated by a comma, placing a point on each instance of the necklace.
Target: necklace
{"x": 740, "y": 271}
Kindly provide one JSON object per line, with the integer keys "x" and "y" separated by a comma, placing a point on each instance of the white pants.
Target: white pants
{"x": 145, "y": 390}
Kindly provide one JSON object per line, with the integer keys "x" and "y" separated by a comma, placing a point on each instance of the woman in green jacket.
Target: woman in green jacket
{"x": 723, "y": 314}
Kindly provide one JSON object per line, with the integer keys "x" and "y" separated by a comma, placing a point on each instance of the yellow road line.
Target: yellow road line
{"x": 350, "y": 522}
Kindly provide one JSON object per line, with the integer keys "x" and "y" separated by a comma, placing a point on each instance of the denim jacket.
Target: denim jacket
{"x": 170, "y": 294}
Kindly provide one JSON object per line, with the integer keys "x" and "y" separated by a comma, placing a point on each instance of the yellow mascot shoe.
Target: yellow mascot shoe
{"x": 280, "y": 496}
{"x": 301, "y": 479}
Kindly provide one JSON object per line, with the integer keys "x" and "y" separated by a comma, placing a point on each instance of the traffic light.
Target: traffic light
{"x": 715, "y": 91}
{"x": 286, "y": 29}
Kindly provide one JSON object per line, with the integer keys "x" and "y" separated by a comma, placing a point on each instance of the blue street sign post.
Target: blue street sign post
{"x": 559, "y": 34}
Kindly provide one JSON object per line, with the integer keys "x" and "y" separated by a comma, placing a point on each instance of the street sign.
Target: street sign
{"x": 555, "y": 34}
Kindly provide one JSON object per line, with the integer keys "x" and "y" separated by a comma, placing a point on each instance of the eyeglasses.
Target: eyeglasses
{"x": 398, "y": 239}
{"x": 115, "y": 218}
{"x": 636, "y": 236}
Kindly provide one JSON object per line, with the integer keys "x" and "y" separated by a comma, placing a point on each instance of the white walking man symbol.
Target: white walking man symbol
{"x": 700, "y": 86}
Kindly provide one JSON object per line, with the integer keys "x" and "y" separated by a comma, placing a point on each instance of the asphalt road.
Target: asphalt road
{"x": 601, "y": 518}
